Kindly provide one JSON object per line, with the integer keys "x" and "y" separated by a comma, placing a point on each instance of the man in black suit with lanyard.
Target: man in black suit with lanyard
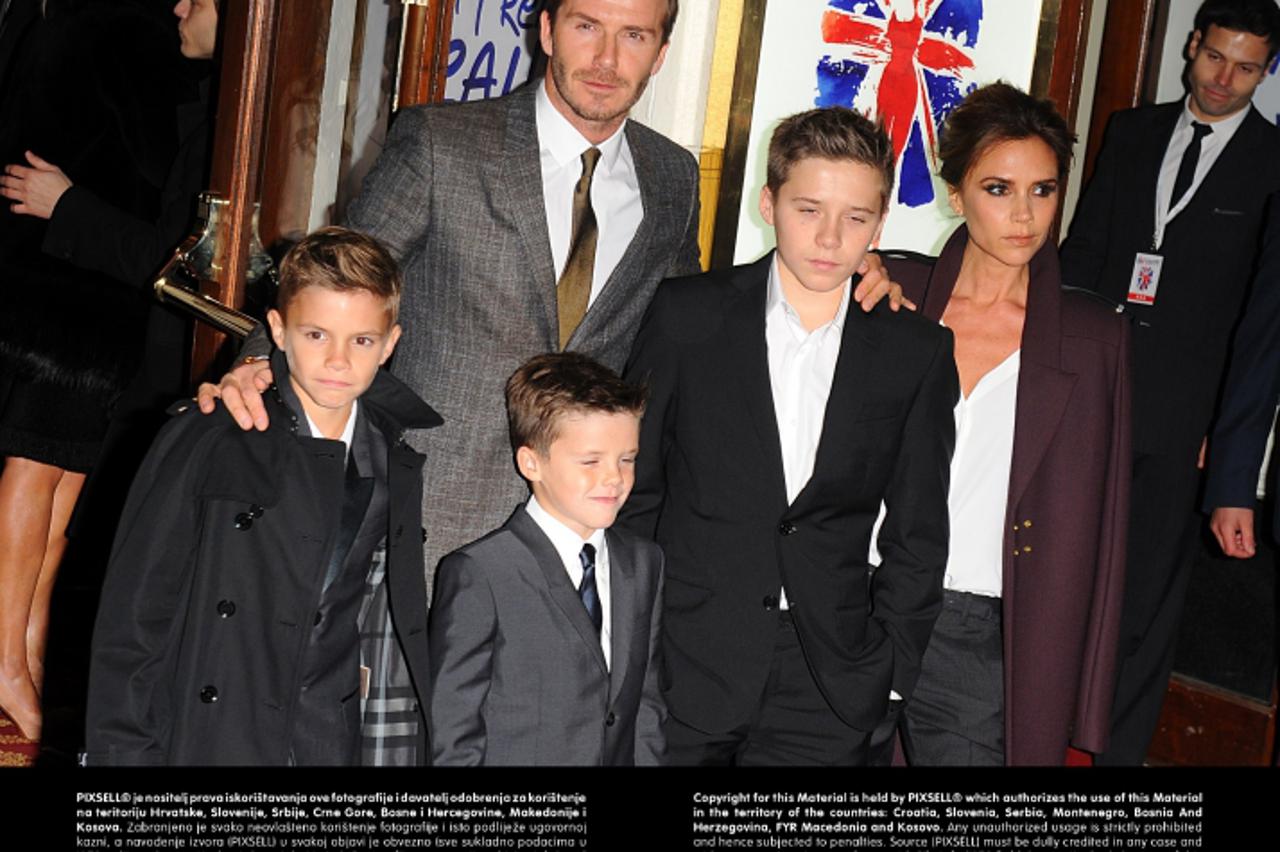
{"x": 1169, "y": 228}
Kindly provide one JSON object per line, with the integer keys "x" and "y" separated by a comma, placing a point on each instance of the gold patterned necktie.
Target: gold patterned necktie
{"x": 574, "y": 289}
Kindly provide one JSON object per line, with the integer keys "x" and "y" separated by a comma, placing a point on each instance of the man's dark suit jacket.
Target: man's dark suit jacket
{"x": 1180, "y": 343}
{"x": 518, "y": 675}
{"x": 1252, "y": 387}
{"x": 710, "y": 487}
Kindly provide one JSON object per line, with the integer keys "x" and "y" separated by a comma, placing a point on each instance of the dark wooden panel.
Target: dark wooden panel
{"x": 1202, "y": 725}
{"x": 293, "y": 118}
{"x": 425, "y": 59}
{"x": 1122, "y": 67}
{"x": 248, "y": 28}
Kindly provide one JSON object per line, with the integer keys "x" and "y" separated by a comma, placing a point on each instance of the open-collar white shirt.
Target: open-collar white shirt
{"x": 615, "y": 190}
{"x": 802, "y": 364}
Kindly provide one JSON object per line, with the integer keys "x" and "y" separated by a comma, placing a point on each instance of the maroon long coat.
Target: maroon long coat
{"x": 1067, "y": 509}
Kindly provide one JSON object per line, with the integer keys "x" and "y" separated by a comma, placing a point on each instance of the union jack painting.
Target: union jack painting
{"x": 908, "y": 61}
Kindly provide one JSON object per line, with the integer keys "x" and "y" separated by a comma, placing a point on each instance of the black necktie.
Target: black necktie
{"x": 1187, "y": 168}
{"x": 587, "y": 588}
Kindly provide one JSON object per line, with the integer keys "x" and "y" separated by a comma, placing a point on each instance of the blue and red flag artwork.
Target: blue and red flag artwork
{"x": 907, "y": 61}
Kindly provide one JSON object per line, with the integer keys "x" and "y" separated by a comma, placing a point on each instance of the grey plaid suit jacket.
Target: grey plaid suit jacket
{"x": 456, "y": 195}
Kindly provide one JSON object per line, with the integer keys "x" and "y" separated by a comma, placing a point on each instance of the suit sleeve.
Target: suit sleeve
{"x": 906, "y": 589}
{"x": 464, "y": 625}
{"x": 1253, "y": 385}
{"x": 1098, "y": 671}
{"x": 151, "y": 565}
{"x": 654, "y": 364}
{"x": 394, "y": 205}
{"x": 688, "y": 260}
{"x": 1084, "y": 252}
{"x": 651, "y": 743}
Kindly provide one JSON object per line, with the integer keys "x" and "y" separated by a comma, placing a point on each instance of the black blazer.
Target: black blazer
{"x": 1180, "y": 342}
{"x": 710, "y": 487}
{"x": 1252, "y": 386}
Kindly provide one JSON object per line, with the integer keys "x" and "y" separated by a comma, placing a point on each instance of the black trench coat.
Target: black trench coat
{"x": 202, "y": 626}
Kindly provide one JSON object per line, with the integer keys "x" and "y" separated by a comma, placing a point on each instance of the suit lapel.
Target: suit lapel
{"x": 637, "y": 260}
{"x": 857, "y": 369}
{"x": 561, "y": 590}
{"x": 1233, "y": 165}
{"x": 622, "y": 611}
{"x": 747, "y": 351}
{"x": 519, "y": 186}
{"x": 1044, "y": 388}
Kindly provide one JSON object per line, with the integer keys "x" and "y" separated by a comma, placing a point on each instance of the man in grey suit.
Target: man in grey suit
{"x": 535, "y": 222}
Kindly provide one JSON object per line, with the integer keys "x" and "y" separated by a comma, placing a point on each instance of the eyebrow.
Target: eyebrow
{"x": 1002, "y": 179}
{"x": 800, "y": 199}
{"x": 310, "y": 326}
{"x": 630, "y": 28}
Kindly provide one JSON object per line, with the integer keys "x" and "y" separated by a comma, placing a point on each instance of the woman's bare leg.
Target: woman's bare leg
{"x": 64, "y": 501}
{"x": 27, "y": 490}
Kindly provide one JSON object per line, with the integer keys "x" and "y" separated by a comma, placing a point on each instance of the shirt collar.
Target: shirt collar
{"x": 776, "y": 300}
{"x": 348, "y": 431}
{"x": 1222, "y": 130}
{"x": 566, "y": 542}
{"x": 562, "y": 141}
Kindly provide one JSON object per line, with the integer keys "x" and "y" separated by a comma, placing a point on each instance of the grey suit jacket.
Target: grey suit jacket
{"x": 457, "y": 197}
{"x": 517, "y": 673}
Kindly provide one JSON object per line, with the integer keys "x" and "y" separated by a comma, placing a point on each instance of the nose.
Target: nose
{"x": 829, "y": 233}
{"x": 1223, "y": 75}
{"x": 1021, "y": 208}
{"x": 336, "y": 356}
{"x": 607, "y": 55}
{"x": 183, "y": 7}
{"x": 612, "y": 473}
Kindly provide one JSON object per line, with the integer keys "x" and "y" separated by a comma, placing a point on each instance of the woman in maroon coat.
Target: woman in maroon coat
{"x": 1021, "y": 662}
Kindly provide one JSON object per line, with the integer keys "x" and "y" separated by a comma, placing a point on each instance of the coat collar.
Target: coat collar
{"x": 387, "y": 398}
{"x": 1044, "y": 386}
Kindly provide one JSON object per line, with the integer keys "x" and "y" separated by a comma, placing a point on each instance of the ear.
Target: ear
{"x": 528, "y": 463}
{"x": 393, "y": 337}
{"x": 1193, "y": 46}
{"x": 957, "y": 204}
{"x": 544, "y": 33}
{"x": 657, "y": 63}
{"x": 766, "y": 205}
{"x": 276, "y": 323}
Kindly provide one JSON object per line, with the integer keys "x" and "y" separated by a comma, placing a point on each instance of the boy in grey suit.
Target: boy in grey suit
{"x": 545, "y": 633}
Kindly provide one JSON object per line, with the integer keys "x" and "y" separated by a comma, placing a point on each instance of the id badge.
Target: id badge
{"x": 1145, "y": 279}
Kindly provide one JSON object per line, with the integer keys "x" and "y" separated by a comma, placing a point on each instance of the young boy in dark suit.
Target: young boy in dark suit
{"x": 229, "y": 627}
{"x": 545, "y": 633}
{"x": 778, "y": 421}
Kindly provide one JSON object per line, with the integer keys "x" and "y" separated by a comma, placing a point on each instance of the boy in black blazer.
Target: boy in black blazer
{"x": 778, "y": 421}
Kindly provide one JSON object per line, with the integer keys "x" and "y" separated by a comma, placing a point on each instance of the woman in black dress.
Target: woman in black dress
{"x": 96, "y": 87}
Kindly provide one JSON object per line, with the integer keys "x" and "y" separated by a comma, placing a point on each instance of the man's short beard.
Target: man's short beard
{"x": 583, "y": 110}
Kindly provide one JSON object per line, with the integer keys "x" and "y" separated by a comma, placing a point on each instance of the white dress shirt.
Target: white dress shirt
{"x": 615, "y": 191}
{"x": 979, "y": 493}
{"x": 568, "y": 545}
{"x": 1210, "y": 148}
{"x": 348, "y": 431}
{"x": 802, "y": 364}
